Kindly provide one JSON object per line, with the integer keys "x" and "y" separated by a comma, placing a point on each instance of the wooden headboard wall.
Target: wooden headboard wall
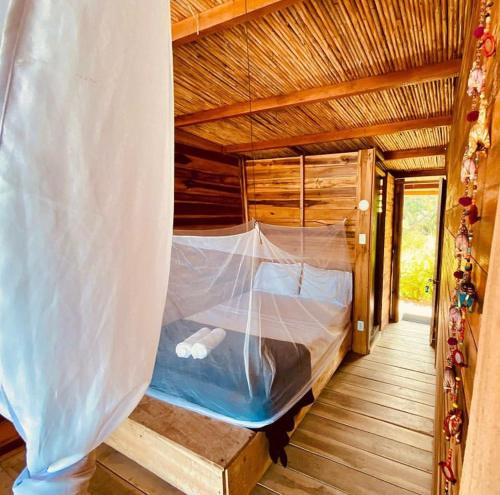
{"x": 316, "y": 190}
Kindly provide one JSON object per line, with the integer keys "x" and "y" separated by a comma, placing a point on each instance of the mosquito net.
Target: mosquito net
{"x": 253, "y": 315}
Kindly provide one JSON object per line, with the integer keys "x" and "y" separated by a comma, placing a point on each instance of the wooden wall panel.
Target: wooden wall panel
{"x": 329, "y": 187}
{"x": 387, "y": 271}
{"x": 482, "y": 456}
{"x": 488, "y": 188}
{"x": 207, "y": 189}
{"x": 274, "y": 190}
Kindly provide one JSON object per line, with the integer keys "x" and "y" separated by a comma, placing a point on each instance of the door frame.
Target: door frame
{"x": 397, "y": 233}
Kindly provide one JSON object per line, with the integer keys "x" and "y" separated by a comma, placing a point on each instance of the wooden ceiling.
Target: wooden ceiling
{"x": 266, "y": 78}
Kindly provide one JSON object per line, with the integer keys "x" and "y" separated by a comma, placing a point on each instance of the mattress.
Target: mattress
{"x": 247, "y": 382}
{"x": 318, "y": 325}
{"x": 275, "y": 347}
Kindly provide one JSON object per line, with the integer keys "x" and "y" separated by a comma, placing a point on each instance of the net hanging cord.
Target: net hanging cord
{"x": 196, "y": 18}
{"x": 249, "y": 78}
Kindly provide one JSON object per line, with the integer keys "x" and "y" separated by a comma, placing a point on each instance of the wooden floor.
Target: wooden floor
{"x": 371, "y": 430}
{"x": 369, "y": 433}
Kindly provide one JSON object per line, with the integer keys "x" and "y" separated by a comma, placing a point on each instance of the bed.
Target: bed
{"x": 283, "y": 297}
{"x": 262, "y": 367}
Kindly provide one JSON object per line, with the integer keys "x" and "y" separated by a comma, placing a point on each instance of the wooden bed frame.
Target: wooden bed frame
{"x": 197, "y": 454}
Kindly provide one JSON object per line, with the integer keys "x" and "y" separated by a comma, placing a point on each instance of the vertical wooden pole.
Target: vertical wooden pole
{"x": 302, "y": 192}
{"x": 397, "y": 233}
{"x": 362, "y": 276}
{"x": 243, "y": 185}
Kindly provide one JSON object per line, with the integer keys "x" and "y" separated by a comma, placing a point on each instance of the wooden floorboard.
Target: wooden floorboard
{"x": 383, "y": 399}
{"x": 289, "y": 480}
{"x": 383, "y": 377}
{"x": 376, "y": 426}
{"x": 364, "y": 440}
{"x": 334, "y": 474}
{"x": 391, "y": 369}
{"x": 370, "y": 431}
{"x": 386, "y": 388}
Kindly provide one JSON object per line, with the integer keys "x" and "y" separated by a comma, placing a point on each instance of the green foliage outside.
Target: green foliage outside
{"x": 418, "y": 247}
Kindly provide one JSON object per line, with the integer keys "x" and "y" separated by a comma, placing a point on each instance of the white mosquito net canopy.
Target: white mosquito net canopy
{"x": 253, "y": 316}
{"x": 86, "y": 200}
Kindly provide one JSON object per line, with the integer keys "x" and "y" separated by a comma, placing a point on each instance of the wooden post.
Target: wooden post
{"x": 302, "y": 176}
{"x": 243, "y": 185}
{"x": 397, "y": 232}
{"x": 362, "y": 275}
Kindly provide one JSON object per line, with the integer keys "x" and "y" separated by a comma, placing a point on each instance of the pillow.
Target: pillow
{"x": 278, "y": 278}
{"x": 327, "y": 285}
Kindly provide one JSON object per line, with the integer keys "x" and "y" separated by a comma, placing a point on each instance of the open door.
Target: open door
{"x": 435, "y": 281}
{"x": 377, "y": 251}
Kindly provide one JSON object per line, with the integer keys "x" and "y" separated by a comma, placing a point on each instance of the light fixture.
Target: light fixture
{"x": 363, "y": 205}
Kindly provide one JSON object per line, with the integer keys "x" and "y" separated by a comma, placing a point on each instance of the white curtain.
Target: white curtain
{"x": 86, "y": 199}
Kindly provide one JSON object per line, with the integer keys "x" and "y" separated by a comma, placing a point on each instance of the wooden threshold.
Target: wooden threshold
{"x": 197, "y": 454}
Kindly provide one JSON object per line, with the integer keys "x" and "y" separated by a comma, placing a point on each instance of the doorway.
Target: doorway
{"x": 419, "y": 250}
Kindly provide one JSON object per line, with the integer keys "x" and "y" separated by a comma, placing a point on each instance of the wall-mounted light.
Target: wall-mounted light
{"x": 364, "y": 205}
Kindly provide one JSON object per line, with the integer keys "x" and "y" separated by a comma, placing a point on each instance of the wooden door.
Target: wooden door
{"x": 377, "y": 252}
{"x": 437, "y": 265}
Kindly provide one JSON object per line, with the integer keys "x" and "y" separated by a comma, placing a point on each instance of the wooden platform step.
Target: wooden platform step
{"x": 115, "y": 475}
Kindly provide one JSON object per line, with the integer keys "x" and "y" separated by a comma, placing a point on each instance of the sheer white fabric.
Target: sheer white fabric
{"x": 281, "y": 295}
{"x": 86, "y": 178}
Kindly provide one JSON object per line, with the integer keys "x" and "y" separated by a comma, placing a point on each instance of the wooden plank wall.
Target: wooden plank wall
{"x": 326, "y": 190}
{"x": 387, "y": 271}
{"x": 488, "y": 189}
{"x": 330, "y": 189}
{"x": 207, "y": 189}
{"x": 330, "y": 184}
{"x": 274, "y": 190}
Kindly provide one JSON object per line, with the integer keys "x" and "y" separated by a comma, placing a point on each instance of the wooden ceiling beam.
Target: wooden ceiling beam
{"x": 340, "y": 134}
{"x": 391, "y": 80}
{"x": 223, "y": 16}
{"x": 429, "y": 172}
{"x": 189, "y": 139}
{"x": 425, "y": 185}
{"x": 216, "y": 156}
{"x": 414, "y": 153}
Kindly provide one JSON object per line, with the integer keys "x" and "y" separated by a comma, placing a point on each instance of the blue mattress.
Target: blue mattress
{"x": 245, "y": 391}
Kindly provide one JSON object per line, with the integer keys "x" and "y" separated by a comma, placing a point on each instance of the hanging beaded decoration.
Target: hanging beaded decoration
{"x": 465, "y": 296}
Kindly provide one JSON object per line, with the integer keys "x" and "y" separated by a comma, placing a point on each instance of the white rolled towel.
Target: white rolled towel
{"x": 185, "y": 348}
{"x": 207, "y": 344}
